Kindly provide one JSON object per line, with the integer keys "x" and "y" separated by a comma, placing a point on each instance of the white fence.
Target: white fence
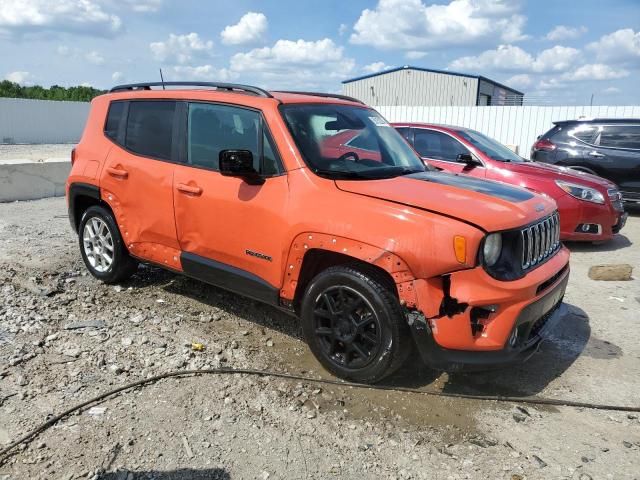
{"x": 41, "y": 121}
{"x": 518, "y": 126}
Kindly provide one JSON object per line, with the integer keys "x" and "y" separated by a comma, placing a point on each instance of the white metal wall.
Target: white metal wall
{"x": 414, "y": 87}
{"x": 509, "y": 125}
{"x": 41, "y": 121}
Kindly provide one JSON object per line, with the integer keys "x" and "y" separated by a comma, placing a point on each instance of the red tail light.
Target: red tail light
{"x": 73, "y": 156}
{"x": 544, "y": 144}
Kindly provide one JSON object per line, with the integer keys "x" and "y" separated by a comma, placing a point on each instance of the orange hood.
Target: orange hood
{"x": 490, "y": 205}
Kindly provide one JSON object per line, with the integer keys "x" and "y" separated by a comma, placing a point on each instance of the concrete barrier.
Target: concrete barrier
{"x": 30, "y": 180}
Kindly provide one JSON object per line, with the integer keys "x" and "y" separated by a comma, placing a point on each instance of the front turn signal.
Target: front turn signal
{"x": 460, "y": 247}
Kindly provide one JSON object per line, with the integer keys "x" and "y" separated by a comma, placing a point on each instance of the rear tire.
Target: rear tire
{"x": 354, "y": 324}
{"x": 102, "y": 248}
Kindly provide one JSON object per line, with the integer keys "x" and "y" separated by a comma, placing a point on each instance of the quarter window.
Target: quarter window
{"x": 214, "y": 128}
{"x": 150, "y": 128}
{"x": 620, "y": 136}
{"x": 114, "y": 117}
{"x": 437, "y": 145}
{"x": 584, "y": 133}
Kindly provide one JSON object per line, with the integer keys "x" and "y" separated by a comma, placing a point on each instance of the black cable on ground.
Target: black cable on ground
{"x": 265, "y": 373}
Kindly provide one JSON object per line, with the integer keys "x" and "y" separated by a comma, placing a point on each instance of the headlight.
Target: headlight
{"x": 581, "y": 192}
{"x": 492, "y": 248}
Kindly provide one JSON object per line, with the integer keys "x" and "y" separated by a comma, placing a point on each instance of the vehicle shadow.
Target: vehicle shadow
{"x": 565, "y": 344}
{"x": 179, "y": 474}
{"x": 618, "y": 242}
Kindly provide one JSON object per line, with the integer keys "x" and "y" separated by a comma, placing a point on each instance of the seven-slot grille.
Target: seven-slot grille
{"x": 616, "y": 199}
{"x": 540, "y": 240}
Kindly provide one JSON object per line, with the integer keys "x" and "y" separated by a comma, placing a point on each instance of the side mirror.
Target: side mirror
{"x": 468, "y": 159}
{"x": 239, "y": 163}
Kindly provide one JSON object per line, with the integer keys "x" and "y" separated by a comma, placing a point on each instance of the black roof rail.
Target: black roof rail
{"x": 325, "y": 95}
{"x": 218, "y": 85}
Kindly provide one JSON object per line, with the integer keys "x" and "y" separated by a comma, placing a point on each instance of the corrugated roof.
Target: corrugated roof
{"x": 432, "y": 70}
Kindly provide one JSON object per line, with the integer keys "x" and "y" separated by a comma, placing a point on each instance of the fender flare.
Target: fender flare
{"x": 390, "y": 262}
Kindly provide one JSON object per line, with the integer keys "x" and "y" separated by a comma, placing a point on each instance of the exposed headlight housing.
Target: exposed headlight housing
{"x": 581, "y": 192}
{"x": 492, "y": 249}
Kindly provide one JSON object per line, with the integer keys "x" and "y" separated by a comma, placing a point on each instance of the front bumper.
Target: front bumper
{"x": 574, "y": 213}
{"x": 526, "y": 310}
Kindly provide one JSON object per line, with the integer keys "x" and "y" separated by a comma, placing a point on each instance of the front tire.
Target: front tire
{"x": 354, "y": 324}
{"x": 102, "y": 248}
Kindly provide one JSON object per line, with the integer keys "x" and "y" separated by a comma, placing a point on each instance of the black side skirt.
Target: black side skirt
{"x": 230, "y": 278}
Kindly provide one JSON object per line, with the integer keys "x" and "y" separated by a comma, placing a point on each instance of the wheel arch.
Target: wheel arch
{"x": 81, "y": 197}
{"x": 311, "y": 253}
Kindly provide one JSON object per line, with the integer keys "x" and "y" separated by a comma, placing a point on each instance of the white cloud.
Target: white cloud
{"x": 410, "y": 24}
{"x": 249, "y": 30}
{"x": 562, "y": 32}
{"x": 621, "y": 46}
{"x": 19, "y": 17}
{"x": 521, "y": 80}
{"x": 117, "y": 76}
{"x": 375, "y": 67}
{"x": 595, "y": 71}
{"x": 291, "y": 63}
{"x": 515, "y": 59}
{"x": 63, "y": 50}
{"x": 342, "y": 29}
{"x": 23, "y": 78}
{"x": 143, "y": 6}
{"x": 200, "y": 72}
{"x": 611, "y": 90}
{"x": 415, "y": 55}
{"x": 180, "y": 48}
{"x": 94, "y": 57}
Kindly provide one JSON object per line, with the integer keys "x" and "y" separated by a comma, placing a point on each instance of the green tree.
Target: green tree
{"x": 55, "y": 92}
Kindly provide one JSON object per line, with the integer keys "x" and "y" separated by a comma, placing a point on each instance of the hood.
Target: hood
{"x": 545, "y": 171}
{"x": 489, "y": 205}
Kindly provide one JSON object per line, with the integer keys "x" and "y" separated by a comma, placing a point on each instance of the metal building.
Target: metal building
{"x": 416, "y": 86}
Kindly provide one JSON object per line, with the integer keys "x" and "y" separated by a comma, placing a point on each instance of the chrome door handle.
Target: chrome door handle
{"x": 596, "y": 154}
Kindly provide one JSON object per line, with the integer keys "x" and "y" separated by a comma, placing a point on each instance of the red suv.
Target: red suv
{"x": 590, "y": 207}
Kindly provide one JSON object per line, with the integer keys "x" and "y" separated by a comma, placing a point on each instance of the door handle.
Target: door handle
{"x": 190, "y": 189}
{"x": 596, "y": 154}
{"x": 117, "y": 172}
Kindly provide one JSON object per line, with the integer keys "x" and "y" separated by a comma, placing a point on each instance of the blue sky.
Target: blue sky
{"x": 558, "y": 52}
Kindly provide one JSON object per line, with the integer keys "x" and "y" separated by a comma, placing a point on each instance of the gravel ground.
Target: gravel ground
{"x": 64, "y": 338}
{"x": 35, "y": 153}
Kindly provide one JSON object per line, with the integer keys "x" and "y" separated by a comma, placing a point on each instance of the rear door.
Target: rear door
{"x": 441, "y": 150}
{"x": 617, "y": 150}
{"x": 232, "y": 234}
{"x": 137, "y": 178}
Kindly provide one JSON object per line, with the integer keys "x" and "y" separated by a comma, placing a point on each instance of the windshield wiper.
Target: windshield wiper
{"x": 341, "y": 174}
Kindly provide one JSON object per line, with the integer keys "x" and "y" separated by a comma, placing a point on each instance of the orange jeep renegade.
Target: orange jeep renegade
{"x": 313, "y": 203}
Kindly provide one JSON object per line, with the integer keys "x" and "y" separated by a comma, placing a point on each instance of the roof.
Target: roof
{"x": 186, "y": 90}
{"x": 432, "y": 70}
{"x": 599, "y": 120}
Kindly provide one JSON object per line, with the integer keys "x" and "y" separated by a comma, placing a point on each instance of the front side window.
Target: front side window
{"x": 620, "y": 136}
{"x": 490, "y": 147}
{"x": 150, "y": 128}
{"x": 348, "y": 142}
{"x": 213, "y": 128}
{"x": 437, "y": 145}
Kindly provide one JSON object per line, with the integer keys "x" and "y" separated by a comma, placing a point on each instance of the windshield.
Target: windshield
{"x": 347, "y": 142}
{"x": 489, "y": 146}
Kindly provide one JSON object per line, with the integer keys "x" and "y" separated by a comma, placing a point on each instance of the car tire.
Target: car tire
{"x": 354, "y": 324}
{"x": 102, "y": 248}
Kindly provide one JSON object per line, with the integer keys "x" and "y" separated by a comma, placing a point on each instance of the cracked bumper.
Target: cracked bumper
{"x": 525, "y": 310}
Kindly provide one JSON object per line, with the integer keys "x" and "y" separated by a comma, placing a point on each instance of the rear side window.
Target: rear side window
{"x": 114, "y": 117}
{"x": 620, "y": 136}
{"x": 150, "y": 128}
